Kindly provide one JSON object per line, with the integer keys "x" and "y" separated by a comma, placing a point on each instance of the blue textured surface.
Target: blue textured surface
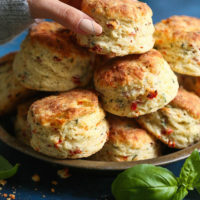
{"x": 81, "y": 185}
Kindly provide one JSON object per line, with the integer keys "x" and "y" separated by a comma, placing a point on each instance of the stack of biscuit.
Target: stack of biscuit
{"x": 131, "y": 109}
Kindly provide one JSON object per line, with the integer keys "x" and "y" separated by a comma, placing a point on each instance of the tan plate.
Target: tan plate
{"x": 95, "y": 165}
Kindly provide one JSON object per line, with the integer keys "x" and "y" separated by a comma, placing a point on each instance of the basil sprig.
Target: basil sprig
{"x": 6, "y": 169}
{"x": 146, "y": 181}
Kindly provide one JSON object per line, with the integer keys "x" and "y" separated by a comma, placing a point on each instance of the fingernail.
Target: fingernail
{"x": 90, "y": 27}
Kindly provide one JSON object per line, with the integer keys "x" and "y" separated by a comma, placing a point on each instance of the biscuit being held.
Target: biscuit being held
{"x": 178, "y": 39}
{"x": 127, "y": 27}
{"x": 135, "y": 85}
{"x": 69, "y": 125}
{"x": 49, "y": 60}
{"x": 178, "y": 123}
{"x": 11, "y": 91}
{"x": 128, "y": 142}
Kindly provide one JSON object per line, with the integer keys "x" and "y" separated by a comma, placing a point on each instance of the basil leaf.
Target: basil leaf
{"x": 180, "y": 194}
{"x": 142, "y": 181}
{"x": 6, "y": 169}
{"x": 190, "y": 172}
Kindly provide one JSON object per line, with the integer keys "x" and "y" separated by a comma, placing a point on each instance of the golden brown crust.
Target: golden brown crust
{"x": 121, "y": 70}
{"x": 62, "y": 108}
{"x": 187, "y": 101}
{"x": 127, "y": 131}
{"x": 56, "y": 37}
{"x": 179, "y": 28}
{"x": 116, "y": 9}
{"x": 8, "y": 58}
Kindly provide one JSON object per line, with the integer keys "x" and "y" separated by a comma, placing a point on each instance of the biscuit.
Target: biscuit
{"x": 11, "y": 91}
{"x": 68, "y": 125}
{"x": 22, "y": 130}
{"x": 127, "y": 27}
{"x": 178, "y": 39}
{"x": 135, "y": 85}
{"x": 49, "y": 60}
{"x": 128, "y": 142}
{"x": 178, "y": 123}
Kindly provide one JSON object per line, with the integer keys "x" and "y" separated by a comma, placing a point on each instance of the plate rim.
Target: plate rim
{"x": 14, "y": 143}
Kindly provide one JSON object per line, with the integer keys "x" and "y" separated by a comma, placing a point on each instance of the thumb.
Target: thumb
{"x": 64, "y": 14}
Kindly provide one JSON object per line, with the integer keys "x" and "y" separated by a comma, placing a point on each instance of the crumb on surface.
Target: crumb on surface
{"x": 12, "y": 196}
{"x": 54, "y": 182}
{"x": 5, "y": 195}
{"x": 36, "y": 178}
{"x": 64, "y": 173}
{"x": 52, "y": 190}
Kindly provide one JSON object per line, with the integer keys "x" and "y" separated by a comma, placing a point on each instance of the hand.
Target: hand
{"x": 65, "y": 14}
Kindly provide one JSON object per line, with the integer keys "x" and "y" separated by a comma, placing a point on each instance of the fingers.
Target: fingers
{"x": 75, "y": 19}
{"x": 66, "y": 15}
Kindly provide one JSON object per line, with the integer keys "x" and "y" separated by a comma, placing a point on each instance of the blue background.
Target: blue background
{"x": 83, "y": 185}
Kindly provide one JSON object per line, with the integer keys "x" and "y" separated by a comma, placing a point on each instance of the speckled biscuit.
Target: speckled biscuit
{"x": 49, "y": 60}
{"x": 69, "y": 125}
{"x": 22, "y": 130}
{"x": 11, "y": 91}
{"x": 190, "y": 83}
{"x": 128, "y": 142}
{"x": 127, "y": 27}
{"x": 136, "y": 84}
{"x": 178, "y": 123}
{"x": 178, "y": 39}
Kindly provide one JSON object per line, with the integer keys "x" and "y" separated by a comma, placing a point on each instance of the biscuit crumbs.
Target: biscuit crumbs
{"x": 54, "y": 182}
{"x": 52, "y": 190}
{"x": 5, "y": 195}
{"x": 64, "y": 173}
{"x": 12, "y": 196}
{"x": 36, "y": 178}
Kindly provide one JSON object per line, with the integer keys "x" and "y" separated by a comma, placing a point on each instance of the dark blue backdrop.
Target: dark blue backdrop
{"x": 81, "y": 185}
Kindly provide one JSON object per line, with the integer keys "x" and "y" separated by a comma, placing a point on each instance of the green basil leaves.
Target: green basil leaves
{"x": 146, "y": 181}
{"x": 6, "y": 169}
{"x": 190, "y": 172}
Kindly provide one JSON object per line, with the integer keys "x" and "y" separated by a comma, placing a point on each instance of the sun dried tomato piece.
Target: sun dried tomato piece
{"x": 152, "y": 95}
{"x": 171, "y": 144}
{"x": 134, "y": 106}
{"x": 109, "y": 25}
{"x": 56, "y": 144}
{"x": 55, "y": 58}
{"x": 97, "y": 48}
{"x": 167, "y": 131}
{"x": 76, "y": 80}
{"x": 77, "y": 151}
